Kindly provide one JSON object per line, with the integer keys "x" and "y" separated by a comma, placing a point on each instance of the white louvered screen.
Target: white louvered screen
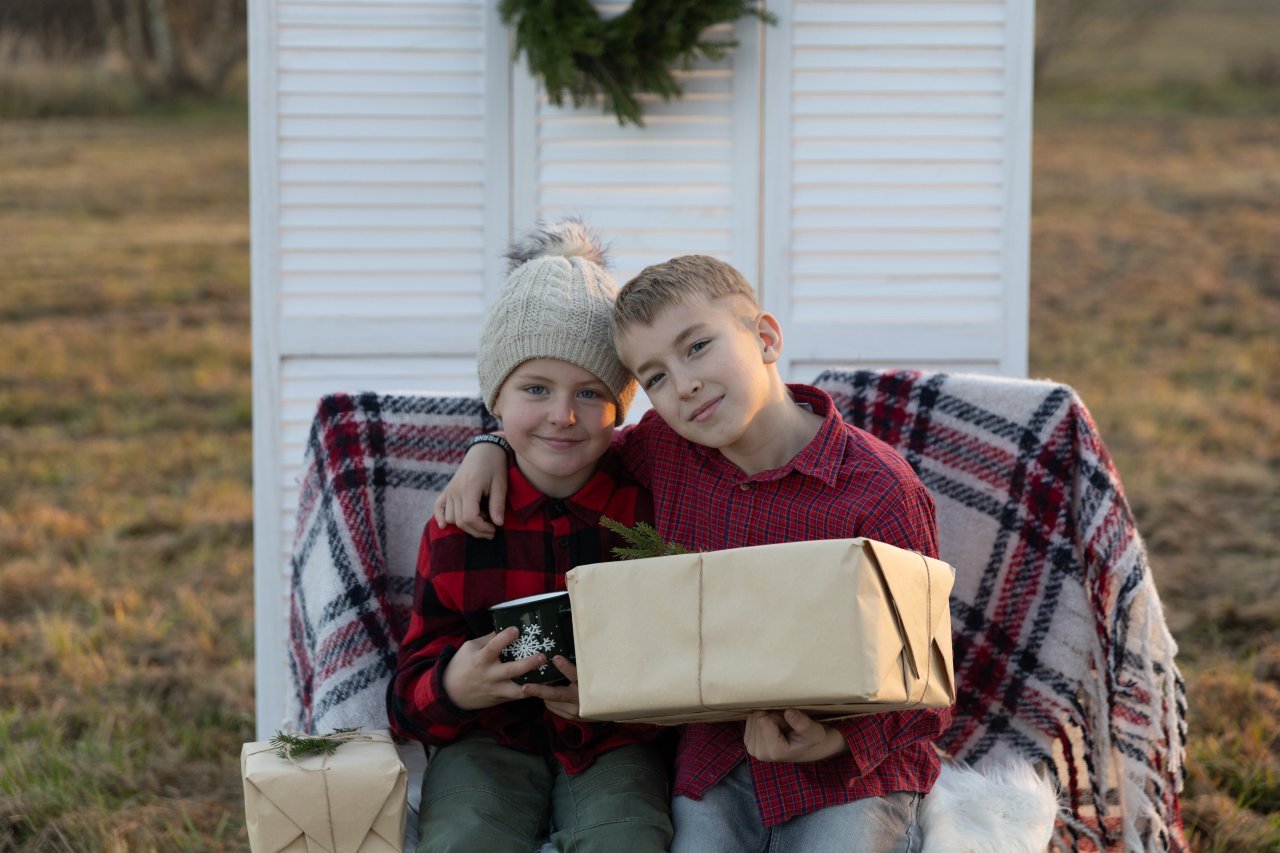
{"x": 894, "y": 203}
{"x": 687, "y": 182}
{"x": 383, "y": 167}
{"x": 865, "y": 164}
{"x": 381, "y": 207}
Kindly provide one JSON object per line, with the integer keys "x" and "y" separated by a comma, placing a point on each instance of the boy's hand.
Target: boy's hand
{"x": 561, "y": 701}
{"x": 791, "y": 736}
{"x": 476, "y": 678}
{"x": 483, "y": 472}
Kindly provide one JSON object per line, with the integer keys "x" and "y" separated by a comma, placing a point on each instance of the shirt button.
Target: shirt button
{"x": 563, "y": 542}
{"x": 746, "y": 487}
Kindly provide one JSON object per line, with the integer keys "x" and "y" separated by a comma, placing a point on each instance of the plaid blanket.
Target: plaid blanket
{"x": 374, "y": 464}
{"x": 1061, "y": 650}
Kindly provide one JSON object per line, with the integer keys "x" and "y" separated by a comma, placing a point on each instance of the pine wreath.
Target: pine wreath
{"x": 576, "y": 52}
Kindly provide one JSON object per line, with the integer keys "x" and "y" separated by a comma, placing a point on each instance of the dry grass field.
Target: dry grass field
{"x": 1156, "y": 293}
{"x": 126, "y": 636}
{"x": 125, "y": 522}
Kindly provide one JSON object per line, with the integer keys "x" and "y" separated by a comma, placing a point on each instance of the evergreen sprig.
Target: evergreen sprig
{"x": 642, "y": 541}
{"x": 299, "y": 746}
{"x": 579, "y": 54}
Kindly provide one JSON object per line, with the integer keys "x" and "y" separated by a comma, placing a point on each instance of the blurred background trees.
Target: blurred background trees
{"x": 60, "y": 56}
{"x": 187, "y": 48}
{"x": 1060, "y": 24}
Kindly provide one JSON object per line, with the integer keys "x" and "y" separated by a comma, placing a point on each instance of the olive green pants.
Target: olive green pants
{"x": 480, "y": 796}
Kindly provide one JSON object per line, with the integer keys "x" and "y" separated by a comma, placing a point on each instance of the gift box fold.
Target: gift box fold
{"x": 352, "y": 800}
{"x": 833, "y": 627}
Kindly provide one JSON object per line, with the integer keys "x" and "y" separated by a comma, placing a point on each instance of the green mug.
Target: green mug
{"x": 546, "y": 625}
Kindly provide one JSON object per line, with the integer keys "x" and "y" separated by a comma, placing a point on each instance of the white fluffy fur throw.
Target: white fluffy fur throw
{"x": 1000, "y": 808}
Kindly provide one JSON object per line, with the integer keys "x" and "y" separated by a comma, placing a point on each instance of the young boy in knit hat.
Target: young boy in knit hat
{"x": 736, "y": 457}
{"x": 512, "y": 763}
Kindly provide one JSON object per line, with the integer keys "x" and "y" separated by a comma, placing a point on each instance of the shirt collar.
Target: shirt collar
{"x": 585, "y": 504}
{"x": 820, "y": 458}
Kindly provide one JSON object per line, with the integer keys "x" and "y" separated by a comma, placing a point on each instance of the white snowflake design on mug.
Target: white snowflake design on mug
{"x": 529, "y": 643}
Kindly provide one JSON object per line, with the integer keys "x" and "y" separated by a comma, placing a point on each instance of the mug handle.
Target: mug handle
{"x": 566, "y": 629}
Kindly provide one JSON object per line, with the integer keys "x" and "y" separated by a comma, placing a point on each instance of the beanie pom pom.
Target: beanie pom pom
{"x": 567, "y": 238}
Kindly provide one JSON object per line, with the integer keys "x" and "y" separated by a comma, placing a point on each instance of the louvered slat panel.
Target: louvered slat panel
{"x": 393, "y": 127}
{"x": 672, "y": 187}
{"x": 322, "y": 83}
{"x": 387, "y": 204}
{"x": 827, "y": 14}
{"x": 806, "y": 371}
{"x": 414, "y": 105}
{"x": 339, "y": 175}
{"x": 345, "y": 14}
{"x": 947, "y": 60}
{"x": 863, "y": 35}
{"x": 898, "y": 143}
{"x": 382, "y": 160}
{"x": 381, "y": 148}
{"x": 387, "y": 239}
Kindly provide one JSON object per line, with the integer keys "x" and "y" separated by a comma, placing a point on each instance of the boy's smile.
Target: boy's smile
{"x": 559, "y": 419}
{"x": 706, "y": 410}
{"x": 704, "y": 365}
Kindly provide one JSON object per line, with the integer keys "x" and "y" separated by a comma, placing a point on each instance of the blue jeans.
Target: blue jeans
{"x": 481, "y": 797}
{"x": 727, "y": 819}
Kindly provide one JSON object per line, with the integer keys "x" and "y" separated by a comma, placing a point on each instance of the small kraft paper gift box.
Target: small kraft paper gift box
{"x": 353, "y": 799}
{"x": 833, "y": 628}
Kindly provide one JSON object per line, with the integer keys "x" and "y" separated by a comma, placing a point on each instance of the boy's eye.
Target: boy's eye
{"x": 589, "y": 394}
{"x": 654, "y": 380}
{"x": 698, "y": 346}
{"x": 535, "y": 389}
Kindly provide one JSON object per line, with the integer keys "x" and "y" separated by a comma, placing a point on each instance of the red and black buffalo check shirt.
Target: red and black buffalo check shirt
{"x": 845, "y": 483}
{"x": 459, "y": 578}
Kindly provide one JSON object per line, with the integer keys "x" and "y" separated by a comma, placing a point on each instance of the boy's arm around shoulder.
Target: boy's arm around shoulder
{"x": 476, "y": 496}
{"x": 475, "y": 499}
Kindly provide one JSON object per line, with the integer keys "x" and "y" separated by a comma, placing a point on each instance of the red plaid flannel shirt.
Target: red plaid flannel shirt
{"x": 459, "y": 578}
{"x": 845, "y": 483}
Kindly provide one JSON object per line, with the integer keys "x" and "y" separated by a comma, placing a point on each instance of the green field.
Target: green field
{"x": 126, "y": 628}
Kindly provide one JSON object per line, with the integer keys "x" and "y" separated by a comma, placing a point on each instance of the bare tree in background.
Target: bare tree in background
{"x": 172, "y": 54}
{"x": 1062, "y": 23}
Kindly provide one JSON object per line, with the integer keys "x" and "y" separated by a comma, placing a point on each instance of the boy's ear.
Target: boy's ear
{"x": 769, "y": 334}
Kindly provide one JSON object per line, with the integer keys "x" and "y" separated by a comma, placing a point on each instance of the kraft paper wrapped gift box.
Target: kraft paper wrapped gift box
{"x": 834, "y": 628}
{"x": 352, "y": 800}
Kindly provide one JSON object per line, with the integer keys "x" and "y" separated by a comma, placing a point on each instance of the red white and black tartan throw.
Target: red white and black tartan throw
{"x": 1061, "y": 650}
{"x": 374, "y": 465}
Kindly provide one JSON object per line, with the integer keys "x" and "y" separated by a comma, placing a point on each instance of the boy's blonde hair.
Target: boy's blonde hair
{"x": 677, "y": 282}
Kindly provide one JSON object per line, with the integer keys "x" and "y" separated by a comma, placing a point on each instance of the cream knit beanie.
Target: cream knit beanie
{"x": 557, "y": 303}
